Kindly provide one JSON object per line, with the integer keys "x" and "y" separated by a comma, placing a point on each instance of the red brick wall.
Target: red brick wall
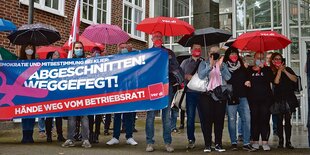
{"x": 18, "y": 13}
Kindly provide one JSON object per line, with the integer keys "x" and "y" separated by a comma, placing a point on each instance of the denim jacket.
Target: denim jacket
{"x": 204, "y": 71}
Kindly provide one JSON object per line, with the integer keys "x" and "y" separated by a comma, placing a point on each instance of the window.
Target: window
{"x": 96, "y": 11}
{"x": 52, "y": 6}
{"x": 134, "y": 12}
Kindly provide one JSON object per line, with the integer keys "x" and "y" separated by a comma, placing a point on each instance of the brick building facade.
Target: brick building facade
{"x": 17, "y": 12}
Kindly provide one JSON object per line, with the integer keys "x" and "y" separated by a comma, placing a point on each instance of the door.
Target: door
{"x": 305, "y": 46}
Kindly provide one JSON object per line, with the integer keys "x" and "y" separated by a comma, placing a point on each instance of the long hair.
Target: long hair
{"x": 272, "y": 66}
{"x": 78, "y": 42}
{"x": 22, "y": 53}
{"x": 233, "y": 50}
{"x": 50, "y": 55}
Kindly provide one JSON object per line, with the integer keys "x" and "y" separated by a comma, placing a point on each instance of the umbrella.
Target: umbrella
{"x": 230, "y": 42}
{"x": 261, "y": 41}
{"x": 105, "y": 34}
{"x": 6, "y": 25}
{"x": 35, "y": 34}
{"x": 88, "y": 45}
{"x": 205, "y": 37}
{"x": 44, "y": 50}
{"x": 6, "y": 55}
{"x": 168, "y": 26}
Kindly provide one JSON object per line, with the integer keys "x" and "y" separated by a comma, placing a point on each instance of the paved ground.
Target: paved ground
{"x": 9, "y": 144}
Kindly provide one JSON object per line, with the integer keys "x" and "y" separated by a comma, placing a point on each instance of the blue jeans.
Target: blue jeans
{"x": 240, "y": 132}
{"x": 128, "y": 120}
{"x": 41, "y": 124}
{"x": 28, "y": 124}
{"x": 243, "y": 109}
{"x": 72, "y": 126}
{"x": 166, "y": 122}
{"x": 174, "y": 117}
{"x": 192, "y": 99}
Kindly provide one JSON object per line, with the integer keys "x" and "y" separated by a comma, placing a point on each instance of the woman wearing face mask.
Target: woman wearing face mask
{"x": 27, "y": 52}
{"x": 239, "y": 102}
{"x": 78, "y": 50}
{"x": 260, "y": 98}
{"x": 211, "y": 111}
{"x": 284, "y": 84}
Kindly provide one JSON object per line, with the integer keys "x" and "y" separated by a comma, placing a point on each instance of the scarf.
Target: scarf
{"x": 215, "y": 78}
{"x": 233, "y": 66}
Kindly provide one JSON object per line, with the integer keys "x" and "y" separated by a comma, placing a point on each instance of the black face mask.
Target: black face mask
{"x": 215, "y": 56}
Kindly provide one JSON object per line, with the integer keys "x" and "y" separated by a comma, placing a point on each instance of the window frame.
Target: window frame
{"x": 133, "y": 7}
{"x": 41, "y": 6}
{"x": 95, "y": 8}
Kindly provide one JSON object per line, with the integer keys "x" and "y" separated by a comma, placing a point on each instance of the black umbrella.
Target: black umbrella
{"x": 205, "y": 37}
{"x": 34, "y": 34}
{"x": 230, "y": 42}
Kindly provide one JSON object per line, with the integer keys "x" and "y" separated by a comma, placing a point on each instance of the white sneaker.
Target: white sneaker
{"x": 113, "y": 141}
{"x": 86, "y": 144}
{"x": 149, "y": 148}
{"x": 169, "y": 148}
{"x": 255, "y": 146}
{"x": 266, "y": 147}
{"x": 131, "y": 141}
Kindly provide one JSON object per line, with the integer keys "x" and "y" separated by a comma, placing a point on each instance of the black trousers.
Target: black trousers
{"x": 260, "y": 117}
{"x": 94, "y": 120}
{"x": 107, "y": 121}
{"x": 211, "y": 112}
{"x": 182, "y": 117}
{"x": 49, "y": 125}
{"x": 287, "y": 127}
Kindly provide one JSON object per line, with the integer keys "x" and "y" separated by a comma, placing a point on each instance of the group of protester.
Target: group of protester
{"x": 256, "y": 88}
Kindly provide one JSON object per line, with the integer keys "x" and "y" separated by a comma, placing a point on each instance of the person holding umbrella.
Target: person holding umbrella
{"x": 212, "y": 111}
{"x": 284, "y": 85}
{"x": 78, "y": 51}
{"x": 260, "y": 98}
{"x": 175, "y": 77}
{"x": 27, "y": 52}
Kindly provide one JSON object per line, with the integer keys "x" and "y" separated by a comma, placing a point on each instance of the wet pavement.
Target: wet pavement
{"x": 10, "y": 143}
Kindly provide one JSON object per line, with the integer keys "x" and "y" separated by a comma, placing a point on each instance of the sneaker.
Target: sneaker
{"x": 266, "y": 147}
{"x": 106, "y": 132}
{"x": 248, "y": 148}
{"x": 86, "y": 144}
{"x": 149, "y": 148}
{"x": 240, "y": 138}
{"x": 113, "y": 141}
{"x": 68, "y": 143}
{"x": 131, "y": 141}
{"x": 289, "y": 146}
{"x": 207, "y": 149}
{"x": 255, "y": 146}
{"x": 175, "y": 131}
{"x": 234, "y": 147}
{"x": 134, "y": 130}
{"x": 169, "y": 148}
{"x": 219, "y": 148}
{"x": 191, "y": 144}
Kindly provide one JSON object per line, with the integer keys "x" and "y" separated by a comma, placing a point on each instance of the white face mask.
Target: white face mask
{"x": 29, "y": 51}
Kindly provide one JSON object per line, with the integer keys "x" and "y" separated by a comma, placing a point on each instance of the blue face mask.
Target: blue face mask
{"x": 258, "y": 62}
{"x": 78, "y": 52}
{"x": 123, "y": 51}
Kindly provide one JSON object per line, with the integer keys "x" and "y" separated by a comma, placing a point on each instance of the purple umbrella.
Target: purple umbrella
{"x": 105, "y": 34}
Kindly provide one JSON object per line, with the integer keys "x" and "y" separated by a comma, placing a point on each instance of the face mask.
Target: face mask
{"x": 124, "y": 50}
{"x": 29, "y": 51}
{"x": 158, "y": 43}
{"x": 215, "y": 56}
{"x": 258, "y": 62}
{"x": 277, "y": 63}
{"x": 78, "y": 52}
{"x": 196, "y": 52}
{"x": 233, "y": 58}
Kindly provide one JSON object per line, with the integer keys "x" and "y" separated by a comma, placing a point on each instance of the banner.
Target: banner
{"x": 137, "y": 81}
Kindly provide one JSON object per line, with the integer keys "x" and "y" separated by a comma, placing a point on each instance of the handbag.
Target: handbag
{"x": 281, "y": 107}
{"x": 198, "y": 84}
{"x": 222, "y": 92}
{"x": 179, "y": 99}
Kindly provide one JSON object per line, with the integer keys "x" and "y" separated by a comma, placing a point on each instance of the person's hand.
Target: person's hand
{"x": 247, "y": 83}
{"x": 188, "y": 77}
{"x": 212, "y": 62}
{"x": 281, "y": 68}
